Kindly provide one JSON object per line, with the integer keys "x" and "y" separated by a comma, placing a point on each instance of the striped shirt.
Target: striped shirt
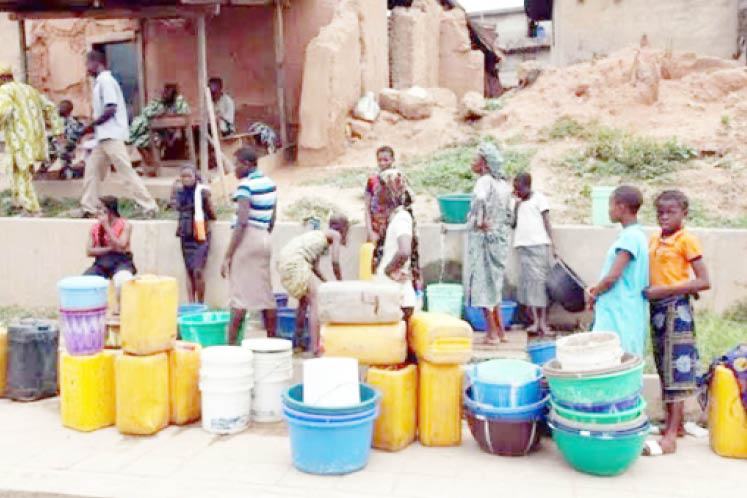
{"x": 262, "y": 195}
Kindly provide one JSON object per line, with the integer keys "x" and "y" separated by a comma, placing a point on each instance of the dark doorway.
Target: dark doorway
{"x": 121, "y": 58}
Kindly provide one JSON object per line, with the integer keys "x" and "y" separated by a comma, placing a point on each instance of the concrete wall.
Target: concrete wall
{"x": 599, "y": 27}
{"x": 35, "y": 254}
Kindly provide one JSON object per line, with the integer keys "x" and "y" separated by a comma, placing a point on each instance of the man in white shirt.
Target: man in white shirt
{"x": 225, "y": 110}
{"x": 110, "y": 129}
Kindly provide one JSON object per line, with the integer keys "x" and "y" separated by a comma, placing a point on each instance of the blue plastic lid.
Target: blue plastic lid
{"x": 83, "y": 282}
{"x": 505, "y": 371}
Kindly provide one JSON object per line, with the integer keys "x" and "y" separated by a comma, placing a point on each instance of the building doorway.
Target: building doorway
{"x": 121, "y": 58}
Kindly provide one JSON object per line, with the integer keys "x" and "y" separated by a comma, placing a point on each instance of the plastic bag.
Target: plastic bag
{"x": 367, "y": 108}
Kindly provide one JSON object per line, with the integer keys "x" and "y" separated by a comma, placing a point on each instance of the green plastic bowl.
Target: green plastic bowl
{"x": 599, "y": 454}
{"x": 600, "y": 417}
{"x": 209, "y": 328}
{"x": 454, "y": 207}
{"x": 596, "y": 387}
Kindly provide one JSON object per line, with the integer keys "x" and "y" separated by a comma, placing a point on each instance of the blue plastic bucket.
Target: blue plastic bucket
{"x": 85, "y": 292}
{"x": 508, "y": 311}
{"x": 476, "y": 318}
{"x": 526, "y": 413}
{"x": 541, "y": 352}
{"x": 505, "y": 383}
{"x": 286, "y": 327}
{"x": 337, "y": 444}
{"x": 293, "y": 399}
{"x": 191, "y": 308}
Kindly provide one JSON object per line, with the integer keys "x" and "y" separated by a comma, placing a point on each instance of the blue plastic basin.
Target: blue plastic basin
{"x": 476, "y": 316}
{"x": 527, "y": 413}
{"x": 191, "y": 308}
{"x": 541, "y": 352}
{"x": 508, "y": 312}
{"x": 85, "y": 292}
{"x": 505, "y": 383}
{"x": 286, "y": 327}
{"x": 293, "y": 399}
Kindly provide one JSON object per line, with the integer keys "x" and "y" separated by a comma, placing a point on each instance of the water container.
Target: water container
{"x": 273, "y": 371}
{"x": 286, "y": 327}
{"x": 191, "y": 308}
{"x": 331, "y": 382}
{"x": 331, "y": 443}
{"x": 454, "y": 207}
{"x": 84, "y": 292}
{"x": 589, "y": 351}
{"x": 505, "y": 382}
{"x": 208, "y": 328}
{"x": 142, "y": 393}
{"x": 365, "y": 261}
{"x": 445, "y": 298}
{"x": 226, "y": 381}
{"x": 397, "y": 425}
{"x": 87, "y": 391}
{"x": 727, "y": 418}
{"x": 84, "y": 331}
{"x": 3, "y": 358}
{"x": 184, "y": 375}
{"x": 541, "y": 352}
{"x": 600, "y": 205}
{"x": 32, "y": 360}
{"x": 370, "y": 344}
{"x": 354, "y": 301}
{"x": 293, "y": 398}
{"x": 148, "y": 315}
{"x": 440, "y": 338}
{"x": 439, "y": 404}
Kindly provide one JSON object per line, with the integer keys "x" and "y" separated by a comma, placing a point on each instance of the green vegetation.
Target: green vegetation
{"x": 307, "y": 207}
{"x": 698, "y": 216}
{"x": 568, "y": 127}
{"x": 725, "y": 120}
{"x": 615, "y": 153}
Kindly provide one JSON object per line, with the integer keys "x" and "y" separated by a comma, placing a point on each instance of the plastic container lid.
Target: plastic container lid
{"x": 83, "y": 282}
{"x": 267, "y": 344}
{"x": 505, "y": 372}
{"x": 223, "y": 356}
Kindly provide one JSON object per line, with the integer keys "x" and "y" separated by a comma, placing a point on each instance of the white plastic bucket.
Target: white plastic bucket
{"x": 273, "y": 371}
{"x": 226, "y": 405}
{"x": 589, "y": 351}
{"x": 331, "y": 382}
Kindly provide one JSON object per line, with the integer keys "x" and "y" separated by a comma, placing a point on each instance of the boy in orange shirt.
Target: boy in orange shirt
{"x": 672, "y": 255}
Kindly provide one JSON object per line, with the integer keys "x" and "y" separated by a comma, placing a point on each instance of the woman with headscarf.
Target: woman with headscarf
{"x": 488, "y": 238}
{"x": 396, "y": 259}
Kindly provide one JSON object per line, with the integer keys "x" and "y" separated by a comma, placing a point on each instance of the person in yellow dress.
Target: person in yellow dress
{"x": 23, "y": 111}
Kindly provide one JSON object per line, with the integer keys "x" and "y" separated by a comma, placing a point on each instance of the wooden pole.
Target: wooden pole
{"x": 280, "y": 72}
{"x": 22, "y": 50}
{"x": 141, "y": 93}
{"x": 202, "y": 83}
{"x": 216, "y": 141}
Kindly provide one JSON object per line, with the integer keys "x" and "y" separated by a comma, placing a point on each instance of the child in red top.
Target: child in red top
{"x": 672, "y": 255}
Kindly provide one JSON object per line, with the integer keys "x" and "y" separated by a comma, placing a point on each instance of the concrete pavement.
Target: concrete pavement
{"x": 38, "y": 455}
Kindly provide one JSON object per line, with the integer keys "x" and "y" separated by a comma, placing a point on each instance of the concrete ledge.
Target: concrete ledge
{"x": 36, "y": 253}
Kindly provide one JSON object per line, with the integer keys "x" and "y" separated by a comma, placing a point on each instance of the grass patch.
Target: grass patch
{"x": 616, "y": 153}
{"x": 568, "y": 127}
{"x": 307, "y": 207}
{"x": 9, "y": 314}
{"x": 447, "y": 170}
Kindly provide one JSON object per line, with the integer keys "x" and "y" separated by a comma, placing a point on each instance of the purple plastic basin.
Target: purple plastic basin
{"x": 84, "y": 331}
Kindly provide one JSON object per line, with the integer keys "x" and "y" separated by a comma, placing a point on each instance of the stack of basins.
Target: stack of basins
{"x": 87, "y": 391}
{"x": 504, "y": 406}
{"x": 331, "y": 417}
{"x": 363, "y": 321}
{"x": 442, "y": 344}
{"x": 598, "y": 415}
